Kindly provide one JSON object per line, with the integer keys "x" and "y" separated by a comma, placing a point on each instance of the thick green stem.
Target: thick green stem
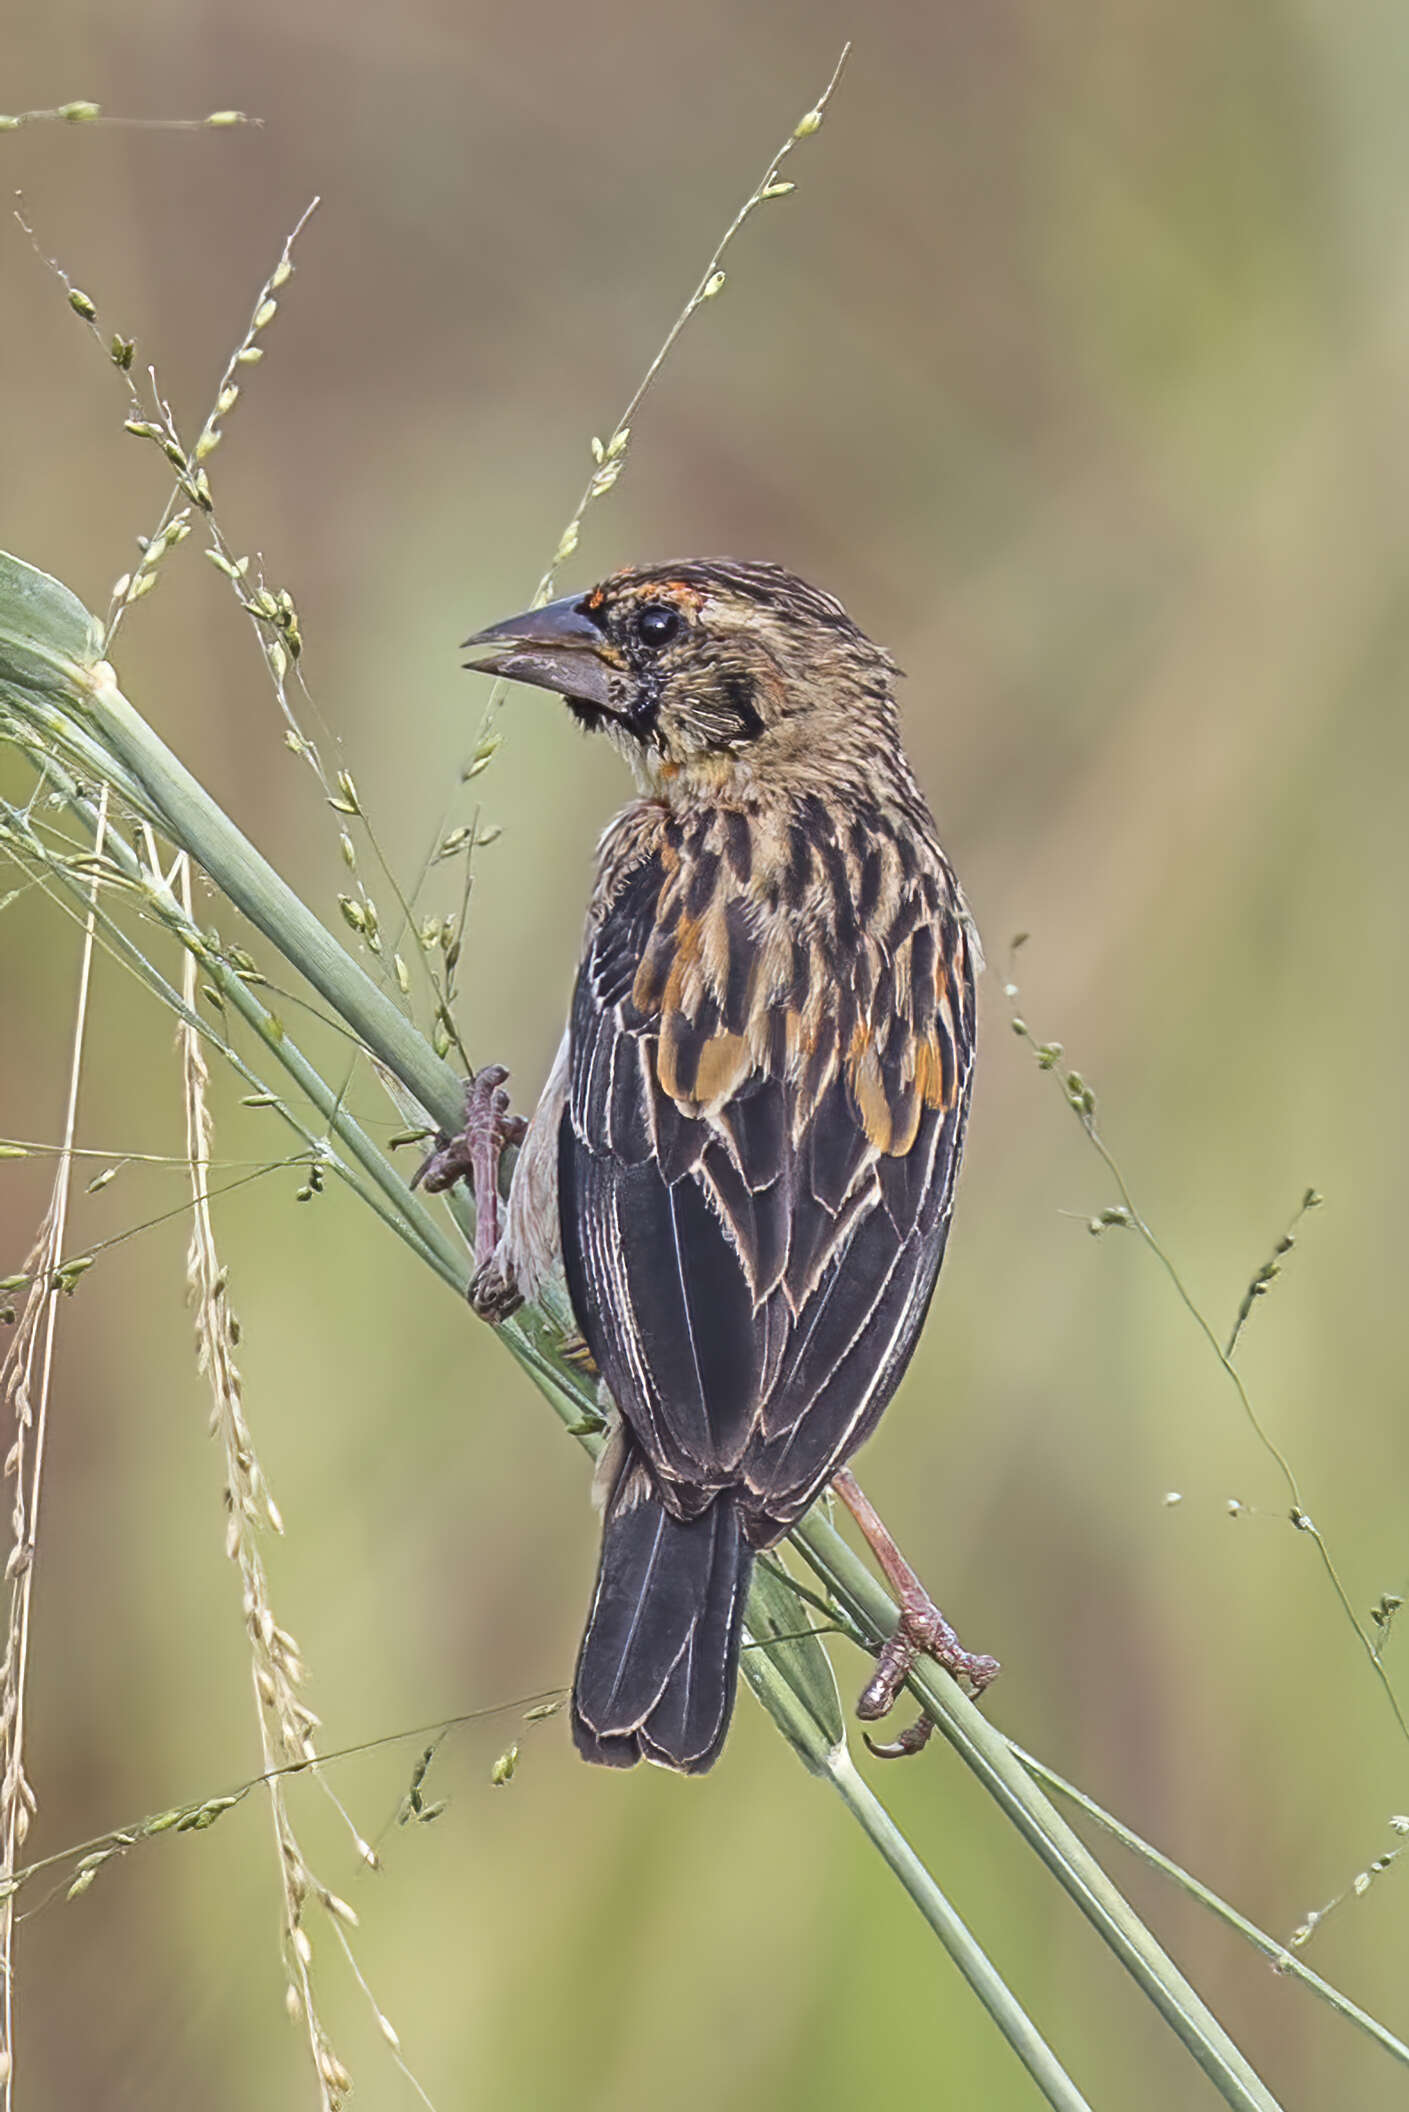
{"x": 986, "y": 1752}
{"x": 997, "y": 1998}
{"x": 378, "y": 1184}
{"x": 793, "y": 1678}
{"x": 251, "y": 883}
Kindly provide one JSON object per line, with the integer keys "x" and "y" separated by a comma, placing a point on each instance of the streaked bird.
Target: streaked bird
{"x": 745, "y": 1155}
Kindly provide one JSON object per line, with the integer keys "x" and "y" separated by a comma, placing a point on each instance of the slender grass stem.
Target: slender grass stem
{"x": 792, "y": 1676}
{"x": 31, "y": 1405}
{"x": 1082, "y": 1101}
{"x": 1277, "y": 1954}
{"x": 990, "y": 1987}
{"x": 194, "y": 820}
{"x": 986, "y": 1753}
{"x": 382, "y": 1189}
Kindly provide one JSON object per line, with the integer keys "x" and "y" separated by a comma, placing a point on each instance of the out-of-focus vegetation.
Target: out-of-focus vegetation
{"x": 1076, "y": 366}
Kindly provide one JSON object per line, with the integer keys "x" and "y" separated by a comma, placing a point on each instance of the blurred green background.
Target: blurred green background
{"x": 1078, "y": 366}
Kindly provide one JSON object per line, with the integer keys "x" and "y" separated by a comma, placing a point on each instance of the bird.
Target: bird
{"x": 745, "y": 1155}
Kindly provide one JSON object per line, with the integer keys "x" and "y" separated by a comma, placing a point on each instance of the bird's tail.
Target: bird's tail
{"x": 659, "y": 1662}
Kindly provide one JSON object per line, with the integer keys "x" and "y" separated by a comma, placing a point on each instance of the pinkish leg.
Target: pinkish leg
{"x": 474, "y": 1155}
{"x": 922, "y": 1630}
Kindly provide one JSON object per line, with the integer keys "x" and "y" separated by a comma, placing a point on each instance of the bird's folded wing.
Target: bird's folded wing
{"x": 768, "y": 1081}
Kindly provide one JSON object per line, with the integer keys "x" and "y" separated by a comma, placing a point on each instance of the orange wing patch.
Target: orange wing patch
{"x": 868, "y": 1091}
{"x": 723, "y": 1066}
{"x": 893, "y": 1072}
{"x": 731, "y": 994}
{"x": 929, "y": 1074}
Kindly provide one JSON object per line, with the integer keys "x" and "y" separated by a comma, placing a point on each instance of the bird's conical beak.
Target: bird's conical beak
{"x": 556, "y": 647}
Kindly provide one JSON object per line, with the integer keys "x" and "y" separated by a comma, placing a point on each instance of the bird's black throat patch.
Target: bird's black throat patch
{"x": 590, "y": 717}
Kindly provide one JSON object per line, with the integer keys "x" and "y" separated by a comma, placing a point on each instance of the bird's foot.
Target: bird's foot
{"x": 922, "y": 1631}
{"x": 913, "y": 1739}
{"x": 474, "y": 1156}
{"x": 493, "y": 1294}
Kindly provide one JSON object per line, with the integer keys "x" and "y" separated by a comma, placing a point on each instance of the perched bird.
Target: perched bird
{"x": 746, "y": 1152}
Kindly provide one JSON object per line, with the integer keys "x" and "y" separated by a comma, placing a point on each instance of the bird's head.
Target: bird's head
{"x": 699, "y": 668}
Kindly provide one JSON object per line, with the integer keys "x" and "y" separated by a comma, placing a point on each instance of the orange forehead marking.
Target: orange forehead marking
{"x": 628, "y": 581}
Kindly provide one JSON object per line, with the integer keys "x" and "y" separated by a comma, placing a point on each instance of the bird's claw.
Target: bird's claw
{"x": 913, "y": 1740}
{"x": 493, "y": 1295}
{"x": 922, "y": 1631}
{"x": 447, "y": 1162}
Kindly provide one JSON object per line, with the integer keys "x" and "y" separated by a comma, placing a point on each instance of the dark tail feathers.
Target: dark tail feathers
{"x": 659, "y": 1662}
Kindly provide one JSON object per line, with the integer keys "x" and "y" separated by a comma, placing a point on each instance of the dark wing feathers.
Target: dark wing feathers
{"x": 757, "y": 1159}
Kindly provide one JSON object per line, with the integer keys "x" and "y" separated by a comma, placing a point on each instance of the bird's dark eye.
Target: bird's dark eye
{"x": 658, "y": 624}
